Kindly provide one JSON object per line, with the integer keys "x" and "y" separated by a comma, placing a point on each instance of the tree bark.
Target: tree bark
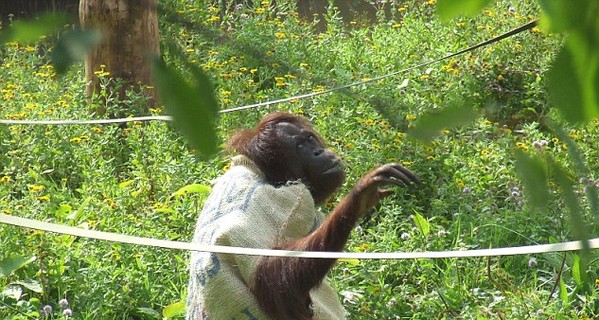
{"x": 130, "y": 35}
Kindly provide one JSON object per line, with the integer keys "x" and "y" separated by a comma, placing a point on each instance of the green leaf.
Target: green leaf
{"x": 126, "y": 183}
{"x": 576, "y": 269}
{"x": 192, "y": 105}
{"x": 13, "y": 262}
{"x": 431, "y": 124}
{"x": 565, "y": 87}
{"x": 147, "y": 312}
{"x": 166, "y": 210}
{"x": 578, "y": 224}
{"x": 533, "y": 173}
{"x": 63, "y": 210}
{"x": 563, "y": 291}
{"x": 31, "y": 284}
{"x": 31, "y": 30}
{"x": 449, "y": 9}
{"x": 13, "y": 292}
{"x": 173, "y": 310}
{"x": 192, "y": 188}
{"x": 422, "y": 224}
{"x": 559, "y": 16}
{"x": 72, "y": 46}
{"x": 81, "y": 210}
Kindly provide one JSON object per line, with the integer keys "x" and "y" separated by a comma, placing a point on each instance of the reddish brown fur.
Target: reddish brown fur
{"x": 282, "y": 285}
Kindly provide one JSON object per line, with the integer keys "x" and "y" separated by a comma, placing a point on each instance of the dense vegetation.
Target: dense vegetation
{"x": 125, "y": 178}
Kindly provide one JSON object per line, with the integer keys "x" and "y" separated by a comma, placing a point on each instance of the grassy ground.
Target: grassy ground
{"x": 122, "y": 179}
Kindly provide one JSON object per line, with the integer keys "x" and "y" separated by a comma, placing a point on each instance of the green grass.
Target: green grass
{"x": 123, "y": 179}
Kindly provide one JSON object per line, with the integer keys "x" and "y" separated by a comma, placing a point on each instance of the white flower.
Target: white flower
{"x": 351, "y": 297}
{"x": 532, "y": 262}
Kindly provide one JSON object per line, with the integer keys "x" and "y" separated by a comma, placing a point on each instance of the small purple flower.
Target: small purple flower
{"x": 514, "y": 188}
{"x": 67, "y": 312}
{"x": 63, "y": 303}
{"x": 544, "y": 142}
{"x": 47, "y": 309}
{"x": 537, "y": 144}
{"x": 441, "y": 233}
{"x": 405, "y": 236}
{"x": 467, "y": 190}
{"x": 515, "y": 194}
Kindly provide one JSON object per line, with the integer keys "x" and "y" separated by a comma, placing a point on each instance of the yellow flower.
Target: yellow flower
{"x": 535, "y": 30}
{"x": 410, "y": 117}
{"x": 102, "y": 73}
{"x": 16, "y": 116}
{"x": 406, "y": 163}
{"x": 43, "y": 198}
{"x": 431, "y": 2}
{"x": 260, "y": 11}
{"x": 110, "y": 203}
{"x": 304, "y": 65}
{"x": 319, "y": 88}
{"x": 35, "y": 187}
{"x": 5, "y": 179}
{"x": 213, "y": 19}
{"x": 280, "y": 35}
{"x": 97, "y": 130}
{"x": 369, "y": 122}
{"x": 363, "y": 247}
{"x": 521, "y": 145}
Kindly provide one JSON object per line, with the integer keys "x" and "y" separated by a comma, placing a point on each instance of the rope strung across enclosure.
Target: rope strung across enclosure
{"x": 502, "y": 36}
{"x": 179, "y": 245}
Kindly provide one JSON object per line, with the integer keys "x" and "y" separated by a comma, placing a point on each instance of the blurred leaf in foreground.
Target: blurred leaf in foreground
{"x": 11, "y": 263}
{"x": 449, "y": 9}
{"x": 431, "y": 123}
{"x": 574, "y": 76}
{"x": 72, "y": 46}
{"x": 192, "y": 104}
{"x": 26, "y": 31}
{"x": 533, "y": 173}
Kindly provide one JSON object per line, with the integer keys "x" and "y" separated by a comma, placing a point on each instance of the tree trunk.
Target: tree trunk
{"x": 130, "y": 34}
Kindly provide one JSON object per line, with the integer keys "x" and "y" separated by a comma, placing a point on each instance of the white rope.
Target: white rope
{"x": 97, "y": 121}
{"x": 115, "y": 237}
